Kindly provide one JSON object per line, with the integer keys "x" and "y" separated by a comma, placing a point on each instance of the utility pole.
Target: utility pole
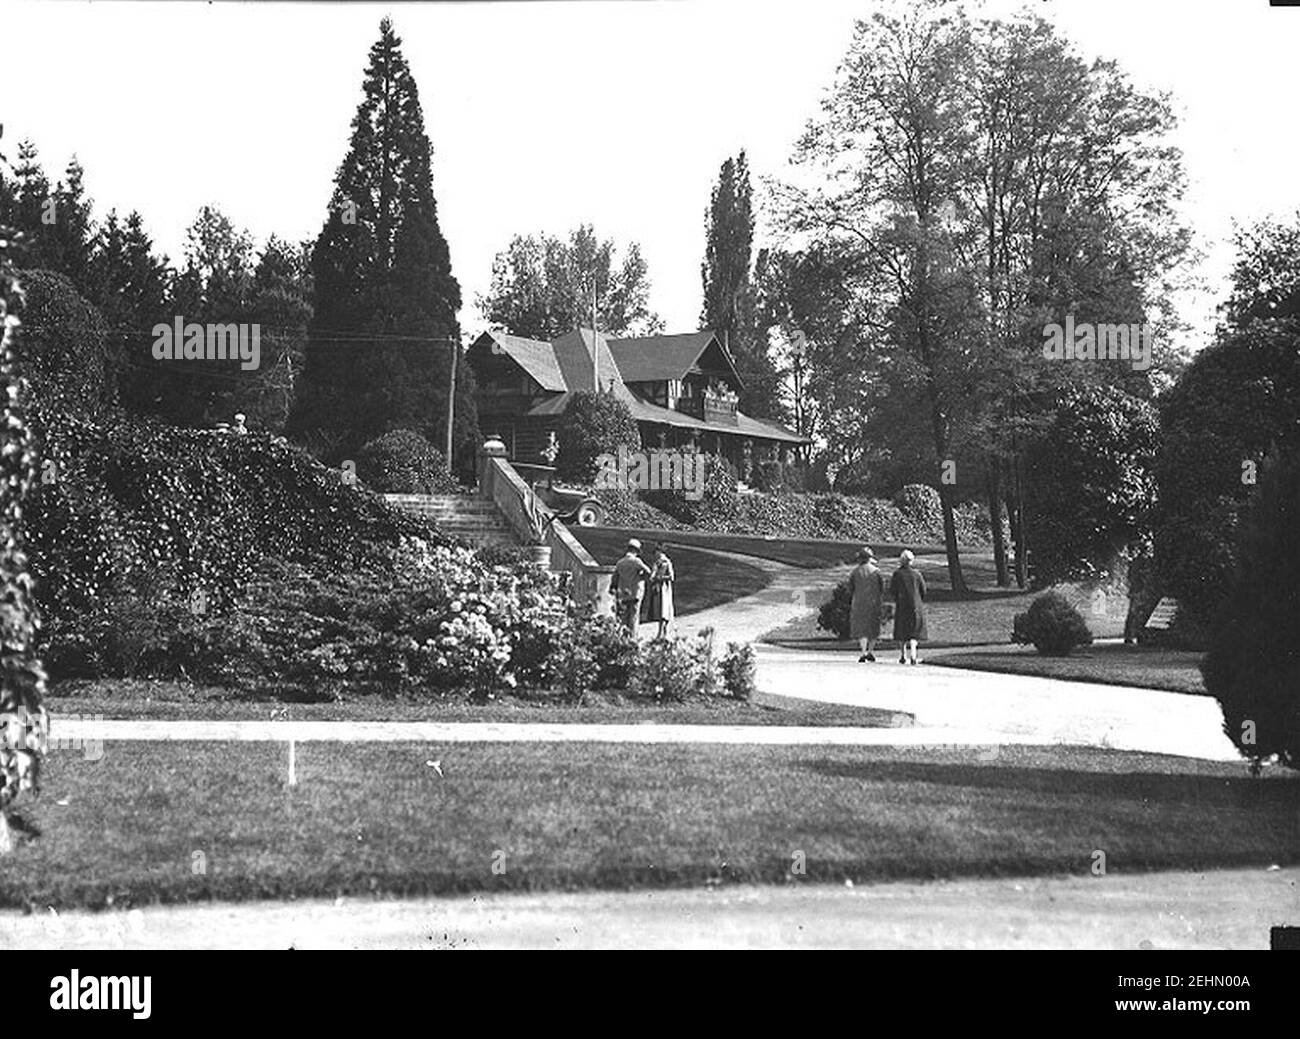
{"x": 451, "y": 398}
{"x": 595, "y": 345}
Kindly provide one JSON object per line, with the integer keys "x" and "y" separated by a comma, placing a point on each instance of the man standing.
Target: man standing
{"x": 628, "y": 586}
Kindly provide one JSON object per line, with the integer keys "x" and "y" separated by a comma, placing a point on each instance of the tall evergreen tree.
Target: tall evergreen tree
{"x": 130, "y": 285}
{"x": 380, "y": 342}
{"x": 730, "y": 305}
{"x": 68, "y": 240}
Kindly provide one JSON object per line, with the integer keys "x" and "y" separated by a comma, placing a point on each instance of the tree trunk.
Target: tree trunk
{"x": 955, "y": 578}
{"x": 993, "y": 484}
{"x": 6, "y": 837}
{"x": 1018, "y": 534}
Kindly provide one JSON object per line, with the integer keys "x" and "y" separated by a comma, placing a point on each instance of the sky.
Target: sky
{"x": 544, "y": 115}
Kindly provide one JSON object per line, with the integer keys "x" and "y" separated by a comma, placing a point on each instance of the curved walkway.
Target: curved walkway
{"x": 1224, "y": 909}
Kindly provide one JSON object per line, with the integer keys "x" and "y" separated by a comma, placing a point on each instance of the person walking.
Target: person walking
{"x": 627, "y": 585}
{"x": 868, "y": 587}
{"x": 907, "y": 589}
{"x": 659, "y": 596}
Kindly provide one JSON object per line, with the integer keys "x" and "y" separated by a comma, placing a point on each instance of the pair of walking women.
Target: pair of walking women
{"x": 907, "y": 591}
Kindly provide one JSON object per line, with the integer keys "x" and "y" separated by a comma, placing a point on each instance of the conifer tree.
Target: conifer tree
{"x": 379, "y": 345}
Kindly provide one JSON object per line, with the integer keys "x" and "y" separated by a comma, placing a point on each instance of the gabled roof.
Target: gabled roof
{"x": 573, "y": 354}
{"x": 653, "y": 358}
{"x": 535, "y": 357}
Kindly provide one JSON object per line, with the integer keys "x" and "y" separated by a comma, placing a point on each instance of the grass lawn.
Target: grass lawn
{"x": 129, "y": 698}
{"x": 1112, "y": 663}
{"x": 703, "y": 580}
{"x": 807, "y": 553}
{"x": 173, "y": 822}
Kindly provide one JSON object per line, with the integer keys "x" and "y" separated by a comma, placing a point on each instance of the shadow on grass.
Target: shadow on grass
{"x": 1152, "y": 789}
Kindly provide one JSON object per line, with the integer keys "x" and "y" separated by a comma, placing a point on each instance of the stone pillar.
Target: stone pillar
{"x": 493, "y": 447}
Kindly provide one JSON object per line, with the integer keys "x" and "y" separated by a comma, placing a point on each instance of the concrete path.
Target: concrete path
{"x": 1230, "y": 909}
{"x": 75, "y": 731}
{"x": 1012, "y": 706}
{"x": 1050, "y": 710}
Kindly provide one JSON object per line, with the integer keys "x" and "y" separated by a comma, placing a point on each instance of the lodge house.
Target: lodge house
{"x": 681, "y": 389}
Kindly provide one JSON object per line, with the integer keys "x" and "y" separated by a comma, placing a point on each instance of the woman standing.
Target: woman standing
{"x": 868, "y": 586}
{"x": 907, "y": 589}
{"x": 659, "y": 599}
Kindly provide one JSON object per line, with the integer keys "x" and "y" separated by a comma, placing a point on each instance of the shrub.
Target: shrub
{"x": 834, "y": 613}
{"x": 739, "y": 671}
{"x": 716, "y": 508}
{"x": 1235, "y": 398}
{"x": 676, "y": 670}
{"x": 594, "y": 424}
{"x": 404, "y": 462}
{"x": 135, "y": 509}
{"x": 66, "y": 355}
{"x": 1053, "y": 626}
{"x": 1253, "y": 664}
{"x": 921, "y": 502}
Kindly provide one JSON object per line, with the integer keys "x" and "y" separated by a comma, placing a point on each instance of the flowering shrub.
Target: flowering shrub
{"x": 676, "y": 670}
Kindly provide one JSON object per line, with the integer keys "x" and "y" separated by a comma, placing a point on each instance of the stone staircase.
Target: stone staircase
{"x": 477, "y": 520}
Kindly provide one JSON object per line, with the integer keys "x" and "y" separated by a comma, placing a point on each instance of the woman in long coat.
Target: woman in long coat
{"x": 659, "y": 595}
{"x": 868, "y": 586}
{"x": 907, "y": 589}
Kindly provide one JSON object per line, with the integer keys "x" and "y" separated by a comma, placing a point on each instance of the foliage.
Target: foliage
{"x": 1091, "y": 485}
{"x": 69, "y": 359}
{"x": 676, "y": 670}
{"x": 542, "y": 287}
{"x": 382, "y": 336}
{"x": 715, "y": 507}
{"x": 833, "y": 614}
{"x": 920, "y": 502}
{"x": 739, "y": 669}
{"x": 130, "y": 508}
{"x": 730, "y": 299}
{"x": 1052, "y": 625}
{"x": 403, "y": 462}
{"x": 23, "y": 723}
{"x": 593, "y": 424}
{"x": 1236, "y": 398}
{"x": 1253, "y": 664}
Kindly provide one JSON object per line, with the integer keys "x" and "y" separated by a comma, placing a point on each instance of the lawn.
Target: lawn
{"x": 174, "y": 822}
{"x": 805, "y": 553}
{"x": 1111, "y": 663}
{"x": 132, "y": 698}
{"x": 703, "y": 580}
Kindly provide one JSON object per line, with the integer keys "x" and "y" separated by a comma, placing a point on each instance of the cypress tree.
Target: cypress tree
{"x": 729, "y": 296}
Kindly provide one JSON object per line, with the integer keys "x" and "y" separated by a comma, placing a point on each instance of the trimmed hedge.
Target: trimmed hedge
{"x": 1052, "y": 625}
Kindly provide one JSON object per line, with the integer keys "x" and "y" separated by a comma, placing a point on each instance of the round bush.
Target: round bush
{"x": 594, "y": 424}
{"x": 1052, "y": 625}
{"x": 404, "y": 462}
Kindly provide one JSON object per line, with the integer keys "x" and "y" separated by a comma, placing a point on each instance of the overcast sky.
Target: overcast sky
{"x": 545, "y": 115}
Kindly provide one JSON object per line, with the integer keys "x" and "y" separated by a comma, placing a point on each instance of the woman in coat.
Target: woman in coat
{"x": 868, "y": 586}
{"x": 907, "y": 589}
{"x": 659, "y": 595}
